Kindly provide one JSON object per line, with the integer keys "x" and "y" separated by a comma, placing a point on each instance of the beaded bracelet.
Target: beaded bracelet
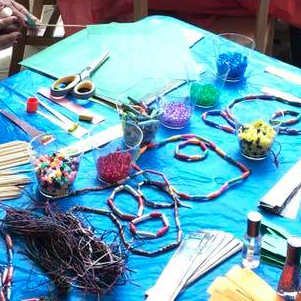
{"x": 152, "y": 215}
{"x": 118, "y": 212}
{"x": 222, "y": 154}
{"x": 128, "y": 245}
{"x": 183, "y": 157}
{"x": 230, "y": 119}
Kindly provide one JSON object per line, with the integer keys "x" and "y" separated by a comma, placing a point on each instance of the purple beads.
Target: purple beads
{"x": 238, "y": 64}
{"x": 176, "y": 114}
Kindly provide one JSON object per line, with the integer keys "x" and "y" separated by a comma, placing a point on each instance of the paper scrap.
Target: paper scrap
{"x": 284, "y": 74}
{"x": 279, "y": 195}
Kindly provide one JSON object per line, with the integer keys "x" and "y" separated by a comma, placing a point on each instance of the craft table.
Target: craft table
{"x": 227, "y": 212}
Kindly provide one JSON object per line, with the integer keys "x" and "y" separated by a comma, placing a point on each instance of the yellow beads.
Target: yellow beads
{"x": 256, "y": 139}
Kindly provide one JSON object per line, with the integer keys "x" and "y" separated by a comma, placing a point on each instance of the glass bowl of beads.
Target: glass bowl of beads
{"x": 233, "y": 50}
{"x": 257, "y": 125}
{"x": 56, "y": 164}
{"x": 139, "y": 105}
{"x": 177, "y": 107}
{"x": 114, "y": 160}
{"x": 207, "y": 90}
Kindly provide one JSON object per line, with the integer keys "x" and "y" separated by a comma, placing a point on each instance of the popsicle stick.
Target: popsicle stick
{"x": 13, "y": 164}
{"x": 13, "y": 144}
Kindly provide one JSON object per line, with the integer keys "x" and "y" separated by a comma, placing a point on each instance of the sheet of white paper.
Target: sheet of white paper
{"x": 192, "y": 36}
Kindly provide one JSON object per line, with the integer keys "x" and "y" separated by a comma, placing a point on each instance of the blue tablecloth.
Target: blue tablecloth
{"x": 227, "y": 212}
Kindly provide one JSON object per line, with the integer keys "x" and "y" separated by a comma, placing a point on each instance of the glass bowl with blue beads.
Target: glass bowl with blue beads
{"x": 234, "y": 50}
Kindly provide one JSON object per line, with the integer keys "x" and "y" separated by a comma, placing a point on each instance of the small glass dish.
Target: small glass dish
{"x": 235, "y": 50}
{"x": 256, "y": 127}
{"x": 177, "y": 107}
{"x": 114, "y": 160}
{"x": 55, "y": 169}
{"x": 207, "y": 90}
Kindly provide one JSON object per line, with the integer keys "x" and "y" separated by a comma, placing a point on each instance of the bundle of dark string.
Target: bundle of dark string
{"x": 68, "y": 251}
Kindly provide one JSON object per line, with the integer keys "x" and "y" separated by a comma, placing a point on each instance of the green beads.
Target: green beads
{"x": 205, "y": 95}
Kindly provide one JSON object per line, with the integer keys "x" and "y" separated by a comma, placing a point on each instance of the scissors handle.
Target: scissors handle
{"x": 64, "y": 85}
{"x": 84, "y": 89}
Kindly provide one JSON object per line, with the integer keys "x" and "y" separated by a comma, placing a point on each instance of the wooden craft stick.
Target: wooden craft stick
{"x": 61, "y": 25}
{"x": 14, "y": 164}
{"x": 13, "y": 150}
{"x": 14, "y": 180}
{"x": 12, "y": 144}
{"x": 13, "y": 157}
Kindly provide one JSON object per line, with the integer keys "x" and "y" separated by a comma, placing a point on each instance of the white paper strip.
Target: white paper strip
{"x": 188, "y": 265}
{"x": 278, "y": 194}
{"x": 99, "y": 139}
{"x": 284, "y": 74}
{"x": 274, "y": 92}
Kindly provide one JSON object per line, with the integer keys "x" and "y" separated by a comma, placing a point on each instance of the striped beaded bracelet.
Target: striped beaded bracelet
{"x": 183, "y": 157}
{"x": 145, "y": 234}
{"x": 118, "y": 212}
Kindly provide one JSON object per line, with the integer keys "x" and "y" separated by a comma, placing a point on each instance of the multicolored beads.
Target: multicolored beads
{"x": 176, "y": 114}
{"x": 204, "y": 95}
{"x": 197, "y": 142}
{"x": 114, "y": 166}
{"x": 132, "y": 191}
{"x": 256, "y": 139}
{"x": 222, "y": 154}
{"x": 238, "y": 64}
{"x": 145, "y": 234}
{"x": 56, "y": 173}
{"x": 230, "y": 120}
{"x": 292, "y": 121}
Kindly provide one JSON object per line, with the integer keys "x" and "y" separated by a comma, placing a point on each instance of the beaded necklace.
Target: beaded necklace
{"x": 227, "y": 116}
{"x": 192, "y": 138}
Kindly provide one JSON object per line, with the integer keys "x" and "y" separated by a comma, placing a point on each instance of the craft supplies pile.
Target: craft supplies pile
{"x": 123, "y": 157}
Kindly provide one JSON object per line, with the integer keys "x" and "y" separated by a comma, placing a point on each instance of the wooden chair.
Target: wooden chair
{"x": 140, "y": 9}
{"x": 260, "y": 28}
{"x": 46, "y": 39}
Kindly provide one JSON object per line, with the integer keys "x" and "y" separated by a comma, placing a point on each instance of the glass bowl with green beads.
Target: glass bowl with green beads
{"x": 256, "y": 127}
{"x": 207, "y": 91}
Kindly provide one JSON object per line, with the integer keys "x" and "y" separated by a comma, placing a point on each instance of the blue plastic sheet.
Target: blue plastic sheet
{"x": 227, "y": 212}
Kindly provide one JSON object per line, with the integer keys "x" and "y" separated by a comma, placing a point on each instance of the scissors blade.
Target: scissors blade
{"x": 94, "y": 65}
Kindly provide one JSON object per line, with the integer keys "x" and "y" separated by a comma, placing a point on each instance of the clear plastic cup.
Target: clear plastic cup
{"x": 207, "y": 91}
{"x": 114, "y": 160}
{"x": 177, "y": 107}
{"x": 256, "y": 127}
{"x": 235, "y": 50}
{"x": 55, "y": 169}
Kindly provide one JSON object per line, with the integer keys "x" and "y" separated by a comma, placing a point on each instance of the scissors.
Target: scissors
{"x": 80, "y": 84}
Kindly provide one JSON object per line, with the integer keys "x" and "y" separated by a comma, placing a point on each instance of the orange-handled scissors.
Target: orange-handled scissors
{"x": 80, "y": 84}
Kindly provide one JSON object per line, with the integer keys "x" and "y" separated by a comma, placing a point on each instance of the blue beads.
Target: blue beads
{"x": 237, "y": 63}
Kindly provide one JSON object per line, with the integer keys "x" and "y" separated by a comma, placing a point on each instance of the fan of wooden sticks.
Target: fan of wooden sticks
{"x": 12, "y": 155}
